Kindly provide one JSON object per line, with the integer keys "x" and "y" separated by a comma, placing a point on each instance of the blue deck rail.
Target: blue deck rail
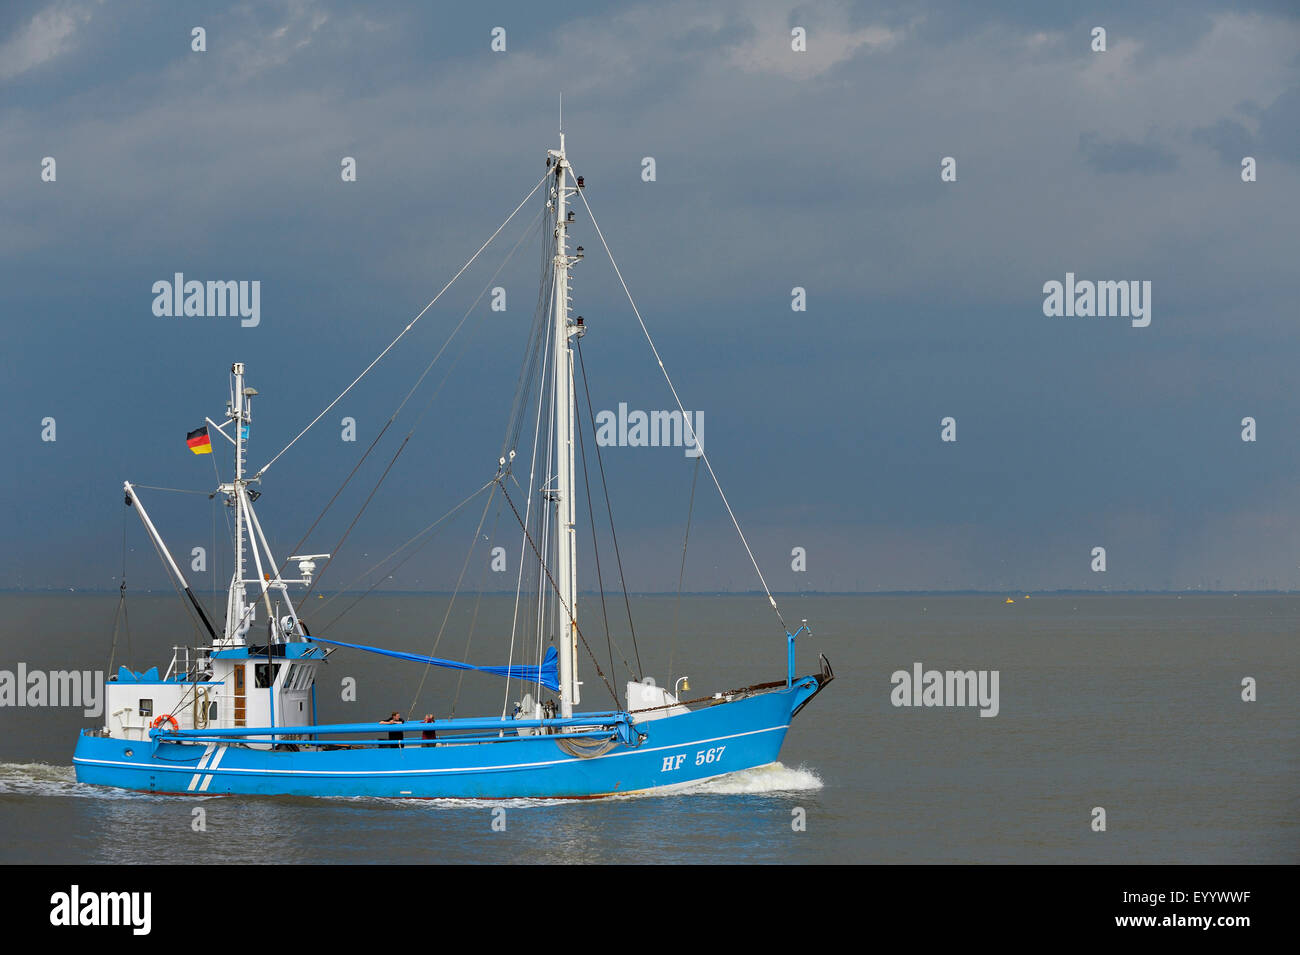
{"x": 586, "y": 725}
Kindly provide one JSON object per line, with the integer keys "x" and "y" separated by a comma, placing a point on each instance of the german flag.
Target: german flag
{"x": 199, "y": 441}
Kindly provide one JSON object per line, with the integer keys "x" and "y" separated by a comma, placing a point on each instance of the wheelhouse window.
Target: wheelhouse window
{"x": 146, "y": 707}
{"x": 264, "y": 675}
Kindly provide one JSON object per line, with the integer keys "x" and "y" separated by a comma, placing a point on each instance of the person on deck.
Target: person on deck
{"x": 429, "y": 733}
{"x": 395, "y": 734}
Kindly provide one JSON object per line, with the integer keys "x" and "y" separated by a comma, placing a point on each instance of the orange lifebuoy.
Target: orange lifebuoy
{"x": 166, "y": 717}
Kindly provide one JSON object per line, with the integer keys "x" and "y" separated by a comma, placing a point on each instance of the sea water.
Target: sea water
{"x": 1138, "y": 706}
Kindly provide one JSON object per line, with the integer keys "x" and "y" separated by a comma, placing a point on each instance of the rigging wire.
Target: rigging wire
{"x": 527, "y": 231}
{"x": 544, "y": 488}
{"x": 419, "y": 418}
{"x": 426, "y": 530}
{"x": 595, "y": 550}
{"x": 703, "y": 454}
{"x": 121, "y": 613}
{"x": 559, "y": 599}
{"x": 681, "y": 576}
{"x": 216, "y": 554}
{"x": 532, "y": 354}
{"x": 452, "y": 602}
{"x": 542, "y": 334}
{"x": 473, "y": 621}
{"x": 528, "y": 383}
{"x": 420, "y": 380}
{"x": 403, "y": 332}
{"x": 178, "y": 490}
{"x": 171, "y": 578}
{"x": 346, "y": 481}
{"x": 213, "y": 499}
{"x": 609, "y": 508}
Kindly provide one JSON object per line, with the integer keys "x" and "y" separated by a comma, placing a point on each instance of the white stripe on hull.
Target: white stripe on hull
{"x": 428, "y": 772}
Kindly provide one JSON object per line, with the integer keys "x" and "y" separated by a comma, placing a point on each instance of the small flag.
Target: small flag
{"x": 199, "y": 441}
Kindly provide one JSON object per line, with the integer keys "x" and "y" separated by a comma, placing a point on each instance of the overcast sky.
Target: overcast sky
{"x": 774, "y": 169}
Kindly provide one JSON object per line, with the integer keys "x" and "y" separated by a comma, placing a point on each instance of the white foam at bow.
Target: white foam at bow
{"x": 772, "y": 778}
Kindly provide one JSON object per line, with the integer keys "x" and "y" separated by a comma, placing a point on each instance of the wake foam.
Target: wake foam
{"x": 42, "y": 779}
{"x": 773, "y": 778}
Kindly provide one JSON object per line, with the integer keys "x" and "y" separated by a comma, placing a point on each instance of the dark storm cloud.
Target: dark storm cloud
{"x": 775, "y": 170}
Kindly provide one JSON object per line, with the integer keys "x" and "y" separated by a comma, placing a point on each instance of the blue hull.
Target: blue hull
{"x": 713, "y": 741}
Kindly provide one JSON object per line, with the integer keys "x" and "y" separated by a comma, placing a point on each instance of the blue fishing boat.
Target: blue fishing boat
{"x": 238, "y": 714}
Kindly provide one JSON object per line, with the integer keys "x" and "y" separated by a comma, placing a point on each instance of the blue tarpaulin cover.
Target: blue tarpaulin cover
{"x": 549, "y": 675}
{"x": 148, "y": 676}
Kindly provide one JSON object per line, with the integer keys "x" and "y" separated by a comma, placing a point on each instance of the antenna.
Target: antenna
{"x": 561, "y": 112}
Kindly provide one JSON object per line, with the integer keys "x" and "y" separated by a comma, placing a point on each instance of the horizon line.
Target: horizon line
{"x": 733, "y": 593}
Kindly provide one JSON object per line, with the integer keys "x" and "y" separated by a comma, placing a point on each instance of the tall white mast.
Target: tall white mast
{"x": 238, "y": 614}
{"x": 566, "y": 576}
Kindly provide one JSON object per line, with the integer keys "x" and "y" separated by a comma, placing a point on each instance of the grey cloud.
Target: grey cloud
{"x": 1279, "y": 127}
{"x": 1119, "y": 156}
{"x": 1229, "y": 138}
{"x": 772, "y": 173}
{"x": 1278, "y": 136}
